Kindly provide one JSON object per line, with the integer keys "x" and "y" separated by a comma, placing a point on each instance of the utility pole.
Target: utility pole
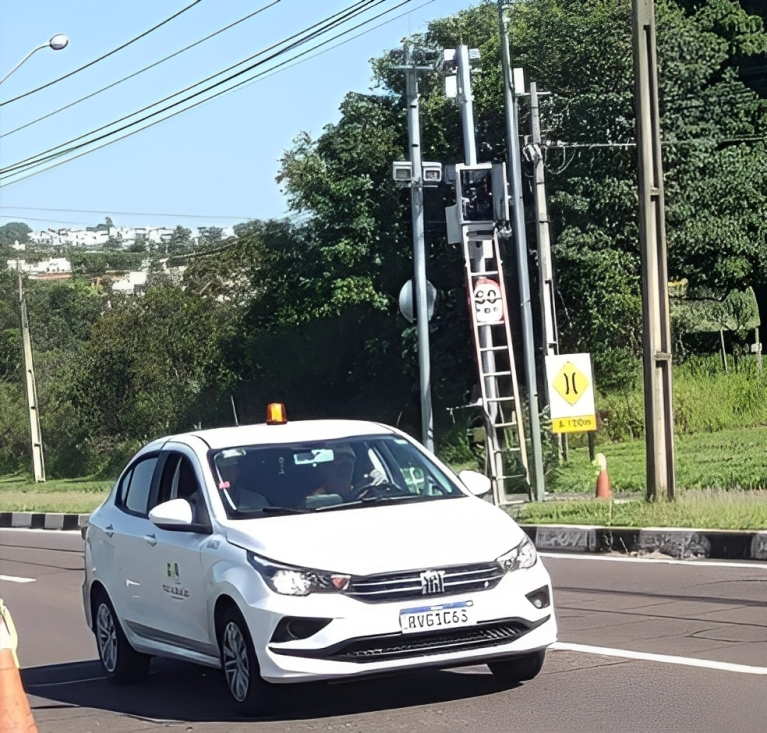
{"x": 549, "y": 330}
{"x": 466, "y": 103}
{"x": 38, "y": 464}
{"x": 656, "y": 336}
{"x": 419, "y": 249}
{"x": 478, "y": 264}
{"x": 550, "y": 339}
{"x": 514, "y": 169}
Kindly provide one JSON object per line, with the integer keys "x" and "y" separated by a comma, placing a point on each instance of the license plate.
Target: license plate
{"x": 431, "y": 618}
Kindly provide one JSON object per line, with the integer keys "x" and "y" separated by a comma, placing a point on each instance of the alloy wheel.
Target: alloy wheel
{"x": 106, "y": 636}
{"x": 236, "y": 663}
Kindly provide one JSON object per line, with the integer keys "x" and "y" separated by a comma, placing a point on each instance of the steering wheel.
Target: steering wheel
{"x": 385, "y": 488}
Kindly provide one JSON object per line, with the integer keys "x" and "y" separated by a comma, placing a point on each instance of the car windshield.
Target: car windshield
{"x": 268, "y": 480}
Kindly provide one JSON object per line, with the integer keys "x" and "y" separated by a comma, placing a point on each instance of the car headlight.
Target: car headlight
{"x": 524, "y": 555}
{"x": 292, "y": 581}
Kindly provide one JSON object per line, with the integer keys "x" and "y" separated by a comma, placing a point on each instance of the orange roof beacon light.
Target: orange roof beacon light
{"x": 275, "y": 414}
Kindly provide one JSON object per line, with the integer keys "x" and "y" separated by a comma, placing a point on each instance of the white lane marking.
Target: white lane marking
{"x": 54, "y": 532}
{"x": 15, "y": 579}
{"x": 754, "y": 565}
{"x": 663, "y": 658}
{"x": 66, "y": 682}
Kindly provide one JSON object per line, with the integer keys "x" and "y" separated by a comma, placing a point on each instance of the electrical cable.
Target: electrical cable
{"x": 267, "y": 74}
{"x": 119, "y": 213}
{"x": 140, "y": 71}
{"x": 24, "y": 166}
{"x": 327, "y": 24}
{"x": 101, "y": 58}
{"x": 296, "y": 60}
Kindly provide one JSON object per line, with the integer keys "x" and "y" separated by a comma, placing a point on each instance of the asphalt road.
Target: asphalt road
{"x": 644, "y": 646}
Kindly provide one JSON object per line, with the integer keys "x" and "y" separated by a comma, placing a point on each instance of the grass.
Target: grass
{"x": 721, "y": 466}
{"x": 705, "y": 400}
{"x": 75, "y": 496}
{"x": 710, "y": 509}
{"x": 729, "y": 459}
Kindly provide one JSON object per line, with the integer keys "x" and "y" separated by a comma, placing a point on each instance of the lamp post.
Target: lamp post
{"x": 57, "y": 42}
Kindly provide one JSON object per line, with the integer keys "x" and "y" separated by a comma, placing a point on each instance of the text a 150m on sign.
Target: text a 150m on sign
{"x": 571, "y": 393}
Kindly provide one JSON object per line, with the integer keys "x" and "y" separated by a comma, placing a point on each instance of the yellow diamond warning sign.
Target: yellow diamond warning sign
{"x": 571, "y": 393}
{"x": 571, "y": 383}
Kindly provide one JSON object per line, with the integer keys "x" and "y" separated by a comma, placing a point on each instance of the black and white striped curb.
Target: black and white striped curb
{"x": 40, "y": 520}
{"x": 716, "y": 544}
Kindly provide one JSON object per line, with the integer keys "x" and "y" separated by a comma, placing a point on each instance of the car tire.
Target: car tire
{"x": 512, "y": 672}
{"x": 240, "y": 665}
{"x": 122, "y": 664}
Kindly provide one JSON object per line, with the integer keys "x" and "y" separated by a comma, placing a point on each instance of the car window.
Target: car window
{"x": 168, "y": 479}
{"x": 265, "y": 480}
{"x": 122, "y": 491}
{"x": 179, "y": 481}
{"x": 136, "y": 493}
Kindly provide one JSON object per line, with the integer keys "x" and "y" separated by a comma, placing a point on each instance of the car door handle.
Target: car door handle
{"x": 109, "y": 530}
{"x": 151, "y": 539}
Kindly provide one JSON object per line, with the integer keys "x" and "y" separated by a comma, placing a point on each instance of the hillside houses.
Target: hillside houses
{"x": 94, "y": 238}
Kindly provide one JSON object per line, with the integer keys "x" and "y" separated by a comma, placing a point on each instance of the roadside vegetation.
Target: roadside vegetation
{"x": 693, "y": 509}
{"x": 304, "y": 310}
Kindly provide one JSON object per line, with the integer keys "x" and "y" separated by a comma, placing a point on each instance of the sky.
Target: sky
{"x": 213, "y": 165}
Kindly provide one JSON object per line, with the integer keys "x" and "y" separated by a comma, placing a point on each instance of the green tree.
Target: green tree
{"x": 14, "y": 231}
{"x": 180, "y": 241}
{"x": 146, "y": 366}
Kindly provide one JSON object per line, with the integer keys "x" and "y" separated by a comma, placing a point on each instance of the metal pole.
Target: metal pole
{"x": 514, "y": 166}
{"x": 34, "y": 50}
{"x": 656, "y": 337}
{"x": 478, "y": 263}
{"x": 466, "y": 102}
{"x": 419, "y": 256}
{"x": 550, "y": 332}
{"x": 550, "y": 340}
{"x": 38, "y": 463}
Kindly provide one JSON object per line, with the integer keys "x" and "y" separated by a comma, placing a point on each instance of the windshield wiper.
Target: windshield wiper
{"x": 370, "y": 500}
{"x": 273, "y": 510}
{"x": 282, "y": 510}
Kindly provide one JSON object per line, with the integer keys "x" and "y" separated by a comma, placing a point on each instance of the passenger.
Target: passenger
{"x": 227, "y": 463}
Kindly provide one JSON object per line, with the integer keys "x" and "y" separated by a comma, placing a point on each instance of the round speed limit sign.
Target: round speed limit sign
{"x": 488, "y": 301}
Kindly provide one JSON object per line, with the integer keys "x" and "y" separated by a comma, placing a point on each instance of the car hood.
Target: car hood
{"x": 383, "y": 538}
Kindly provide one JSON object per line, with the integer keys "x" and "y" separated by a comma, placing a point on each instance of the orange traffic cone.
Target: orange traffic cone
{"x": 15, "y": 713}
{"x": 604, "y": 491}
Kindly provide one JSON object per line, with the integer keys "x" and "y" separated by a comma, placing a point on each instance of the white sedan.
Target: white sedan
{"x": 318, "y": 549}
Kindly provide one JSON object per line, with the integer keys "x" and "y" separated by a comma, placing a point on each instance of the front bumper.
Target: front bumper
{"x": 365, "y": 638}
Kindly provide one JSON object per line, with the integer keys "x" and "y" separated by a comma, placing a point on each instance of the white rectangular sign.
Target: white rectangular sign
{"x": 571, "y": 393}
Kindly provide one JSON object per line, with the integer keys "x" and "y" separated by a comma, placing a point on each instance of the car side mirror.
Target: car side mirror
{"x": 175, "y": 514}
{"x": 477, "y": 483}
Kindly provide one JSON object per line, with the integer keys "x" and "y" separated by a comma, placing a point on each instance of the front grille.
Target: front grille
{"x": 418, "y": 645}
{"x": 402, "y": 586}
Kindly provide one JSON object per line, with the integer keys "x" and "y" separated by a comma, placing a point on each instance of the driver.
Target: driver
{"x": 338, "y": 473}
{"x": 335, "y": 476}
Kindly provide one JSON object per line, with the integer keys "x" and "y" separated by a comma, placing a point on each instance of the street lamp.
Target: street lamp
{"x": 57, "y": 42}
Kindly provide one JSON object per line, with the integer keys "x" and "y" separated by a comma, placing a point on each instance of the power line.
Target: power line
{"x": 310, "y": 33}
{"x": 32, "y": 218}
{"x": 694, "y": 141}
{"x": 123, "y": 213}
{"x": 140, "y": 71}
{"x": 36, "y": 161}
{"x": 259, "y": 77}
{"x": 298, "y": 60}
{"x": 101, "y": 58}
